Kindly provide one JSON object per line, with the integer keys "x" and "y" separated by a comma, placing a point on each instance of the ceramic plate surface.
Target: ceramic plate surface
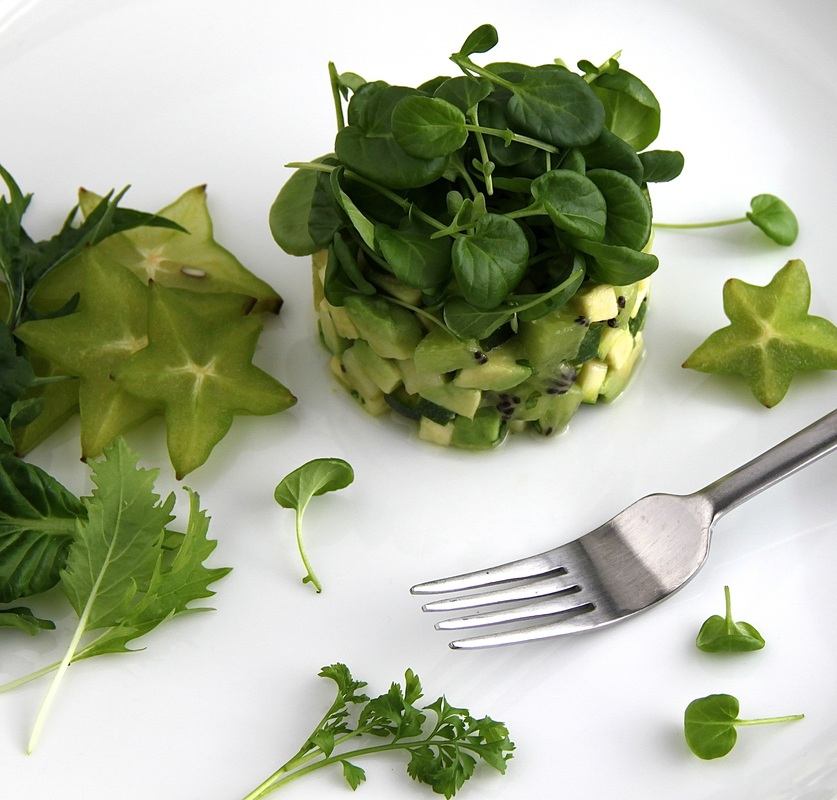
{"x": 167, "y": 95}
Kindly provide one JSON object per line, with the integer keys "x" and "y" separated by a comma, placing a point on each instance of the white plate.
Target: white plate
{"x": 166, "y": 95}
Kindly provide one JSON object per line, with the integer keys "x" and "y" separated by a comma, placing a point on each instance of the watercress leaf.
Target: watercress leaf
{"x": 467, "y": 321}
{"x": 298, "y": 487}
{"x": 631, "y": 109}
{"x": 24, "y": 620}
{"x": 611, "y": 152}
{"x": 198, "y": 368}
{"x": 574, "y": 160}
{"x": 413, "y": 256}
{"x": 336, "y": 284}
{"x": 660, "y": 166}
{"x": 556, "y": 105}
{"x": 367, "y": 146}
{"x": 350, "y": 82}
{"x": 775, "y": 218}
{"x": 480, "y": 40}
{"x": 326, "y": 217}
{"x": 628, "y": 213}
{"x": 110, "y": 324}
{"x": 15, "y": 372}
{"x": 724, "y": 635}
{"x": 529, "y": 307}
{"x": 428, "y": 127}
{"x": 37, "y": 525}
{"x": 573, "y": 202}
{"x": 429, "y": 87}
{"x": 709, "y": 725}
{"x": 615, "y": 264}
{"x": 354, "y": 775}
{"x": 492, "y": 113}
{"x": 490, "y": 262}
{"x": 350, "y": 267}
{"x": 291, "y": 211}
{"x": 464, "y": 91}
{"x": 771, "y": 336}
{"x": 6, "y": 442}
{"x": 364, "y": 226}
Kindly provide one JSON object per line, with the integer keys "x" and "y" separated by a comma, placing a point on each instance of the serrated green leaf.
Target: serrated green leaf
{"x": 15, "y": 372}
{"x": 354, "y": 775}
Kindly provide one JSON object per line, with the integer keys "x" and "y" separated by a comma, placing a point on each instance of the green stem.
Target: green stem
{"x": 45, "y": 380}
{"x": 548, "y": 161}
{"x": 535, "y": 210}
{"x": 32, "y": 676}
{"x": 728, "y": 604}
{"x": 510, "y": 136}
{"x": 310, "y": 577}
{"x": 546, "y": 295}
{"x": 463, "y": 171}
{"x": 484, "y": 159}
{"x": 335, "y": 93}
{"x": 769, "y": 720}
{"x": 687, "y": 225}
{"x": 416, "y": 310}
{"x": 465, "y": 64}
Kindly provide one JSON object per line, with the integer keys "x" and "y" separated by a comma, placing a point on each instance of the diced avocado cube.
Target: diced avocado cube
{"x": 484, "y": 431}
{"x": 318, "y": 264}
{"x": 434, "y": 432}
{"x": 331, "y": 339}
{"x": 385, "y": 374}
{"x": 342, "y": 324}
{"x": 394, "y": 287}
{"x": 500, "y": 372}
{"x": 415, "y": 407}
{"x": 392, "y": 331}
{"x": 547, "y": 342}
{"x": 617, "y": 379}
{"x": 615, "y": 346}
{"x": 517, "y": 426}
{"x": 642, "y": 288}
{"x": 440, "y": 352}
{"x": 415, "y": 381}
{"x": 590, "y": 380}
{"x": 596, "y": 302}
{"x": 358, "y": 377}
{"x": 464, "y": 402}
{"x": 558, "y": 411}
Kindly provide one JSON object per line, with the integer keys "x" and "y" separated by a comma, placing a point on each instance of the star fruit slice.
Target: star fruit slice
{"x": 198, "y": 367}
{"x": 772, "y": 336}
{"x": 108, "y": 326}
{"x": 192, "y": 260}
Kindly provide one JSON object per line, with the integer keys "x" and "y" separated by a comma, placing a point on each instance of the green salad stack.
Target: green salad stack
{"x": 481, "y": 242}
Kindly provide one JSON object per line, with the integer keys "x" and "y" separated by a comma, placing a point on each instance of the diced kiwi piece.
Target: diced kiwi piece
{"x": 318, "y": 262}
{"x": 547, "y": 342}
{"x": 596, "y": 302}
{"x": 335, "y": 364}
{"x": 464, "y": 402}
{"x": 590, "y": 379}
{"x": 331, "y": 339}
{"x": 625, "y": 298}
{"x": 615, "y": 346}
{"x": 517, "y": 426}
{"x": 434, "y": 432}
{"x": 500, "y": 371}
{"x": 642, "y": 288}
{"x": 392, "y": 331}
{"x": 484, "y": 431}
{"x": 342, "y": 324}
{"x": 394, "y": 287}
{"x": 440, "y": 352}
{"x": 558, "y": 411}
{"x": 415, "y": 407}
{"x": 358, "y": 377}
{"x": 383, "y": 372}
{"x": 617, "y": 379}
{"x": 414, "y": 380}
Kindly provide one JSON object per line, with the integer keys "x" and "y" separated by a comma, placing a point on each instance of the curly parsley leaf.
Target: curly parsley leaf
{"x": 445, "y": 744}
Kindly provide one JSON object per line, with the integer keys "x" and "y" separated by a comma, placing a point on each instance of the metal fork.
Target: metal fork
{"x": 634, "y": 561}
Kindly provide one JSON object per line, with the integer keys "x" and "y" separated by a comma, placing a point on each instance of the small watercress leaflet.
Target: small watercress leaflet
{"x": 723, "y": 635}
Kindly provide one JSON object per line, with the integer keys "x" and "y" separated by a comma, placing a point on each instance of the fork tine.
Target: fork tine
{"x": 530, "y": 567}
{"x": 573, "y": 601}
{"x": 584, "y": 621}
{"x": 537, "y": 588}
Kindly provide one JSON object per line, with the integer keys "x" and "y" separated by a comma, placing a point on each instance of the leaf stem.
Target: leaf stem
{"x": 463, "y": 171}
{"x": 484, "y": 159}
{"x": 32, "y": 676}
{"x": 416, "y": 310}
{"x": 769, "y": 720}
{"x": 687, "y": 225}
{"x": 535, "y": 210}
{"x": 335, "y": 93}
{"x": 45, "y": 380}
{"x": 728, "y": 604}
{"x": 465, "y": 64}
{"x": 510, "y": 136}
{"x": 310, "y": 577}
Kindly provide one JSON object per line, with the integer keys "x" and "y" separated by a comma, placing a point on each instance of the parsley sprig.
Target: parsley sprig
{"x": 444, "y": 747}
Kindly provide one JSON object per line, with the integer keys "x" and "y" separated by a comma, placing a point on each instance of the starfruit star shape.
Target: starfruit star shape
{"x": 772, "y": 335}
{"x": 198, "y": 368}
{"x": 109, "y": 325}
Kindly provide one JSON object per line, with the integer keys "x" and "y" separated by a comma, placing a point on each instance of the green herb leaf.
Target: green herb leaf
{"x": 723, "y": 635}
{"x": 631, "y": 110}
{"x": 660, "y": 166}
{"x": 480, "y": 40}
{"x": 710, "y": 725}
{"x": 428, "y": 127}
{"x": 489, "y": 263}
{"x": 290, "y": 212}
{"x": 297, "y": 488}
{"x": 15, "y": 372}
{"x": 573, "y": 202}
{"x": 771, "y": 336}
{"x": 611, "y": 152}
{"x": 414, "y": 257}
{"x": 37, "y": 525}
{"x": 362, "y": 225}
{"x": 775, "y": 218}
{"x": 464, "y": 91}
{"x": 354, "y": 775}
{"x": 350, "y": 266}
{"x": 198, "y": 367}
{"x": 24, "y": 620}
{"x": 628, "y": 213}
{"x": 618, "y": 265}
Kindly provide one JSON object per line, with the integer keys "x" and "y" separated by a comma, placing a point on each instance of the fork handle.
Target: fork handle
{"x": 784, "y": 459}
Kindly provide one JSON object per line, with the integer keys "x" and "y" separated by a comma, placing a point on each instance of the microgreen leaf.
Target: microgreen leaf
{"x": 771, "y": 336}
{"x": 428, "y": 127}
{"x": 628, "y": 213}
{"x": 618, "y": 265}
{"x": 631, "y": 110}
{"x": 573, "y": 202}
{"x": 24, "y": 620}
{"x": 362, "y": 225}
{"x": 413, "y": 255}
{"x": 15, "y": 372}
{"x": 774, "y": 217}
{"x": 660, "y": 166}
{"x": 298, "y": 487}
{"x": 710, "y": 724}
{"x": 724, "y": 635}
{"x": 480, "y": 40}
{"x": 464, "y": 91}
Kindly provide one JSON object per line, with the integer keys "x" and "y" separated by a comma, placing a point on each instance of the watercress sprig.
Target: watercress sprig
{"x": 444, "y": 746}
{"x": 724, "y": 635}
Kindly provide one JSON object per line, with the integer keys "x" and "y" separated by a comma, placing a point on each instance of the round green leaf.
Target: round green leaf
{"x": 311, "y": 480}
{"x": 631, "y": 109}
{"x": 617, "y": 265}
{"x": 573, "y": 202}
{"x": 709, "y": 725}
{"x": 428, "y": 127}
{"x": 628, "y": 212}
{"x": 414, "y": 258}
{"x": 556, "y": 105}
{"x": 489, "y": 263}
{"x": 480, "y": 40}
{"x": 660, "y": 166}
{"x": 464, "y": 91}
{"x": 775, "y": 218}
{"x": 290, "y": 212}
{"x": 467, "y": 321}
{"x": 364, "y": 226}
{"x": 611, "y": 152}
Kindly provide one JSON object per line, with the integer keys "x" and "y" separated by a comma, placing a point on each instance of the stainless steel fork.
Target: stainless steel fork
{"x": 640, "y": 557}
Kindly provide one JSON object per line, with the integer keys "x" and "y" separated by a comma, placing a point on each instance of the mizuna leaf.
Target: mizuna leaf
{"x": 24, "y": 620}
